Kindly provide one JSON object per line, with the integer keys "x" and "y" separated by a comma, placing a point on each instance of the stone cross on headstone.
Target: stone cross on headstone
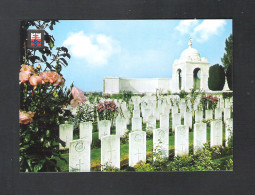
{"x": 80, "y": 163}
{"x": 104, "y": 128}
{"x": 181, "y": 137}
{"x": 216, "y": 133}
{"x": 138, "y": 154}
{"x": 200, "y": 138}
{"x": 137, "y": 147}
{"x": 161, "y": 143}
{"x": 110, "y": 151}
{"x": 79, "y": 155}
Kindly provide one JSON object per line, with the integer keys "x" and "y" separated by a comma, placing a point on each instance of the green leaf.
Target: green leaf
{"x": 38, "y": 167}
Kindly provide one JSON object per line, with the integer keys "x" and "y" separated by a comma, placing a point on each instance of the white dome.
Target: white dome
{"x": 190, "y": 54}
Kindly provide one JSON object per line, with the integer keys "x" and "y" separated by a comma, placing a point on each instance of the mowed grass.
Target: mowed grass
{"x": 124, "y": 148}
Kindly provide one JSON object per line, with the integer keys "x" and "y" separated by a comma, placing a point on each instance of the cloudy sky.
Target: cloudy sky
{"x": 134, "y": 48}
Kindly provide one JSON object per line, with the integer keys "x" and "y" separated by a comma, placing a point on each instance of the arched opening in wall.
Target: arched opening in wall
{"x": 196, "y": 78}
{"x": 179, "y": 73}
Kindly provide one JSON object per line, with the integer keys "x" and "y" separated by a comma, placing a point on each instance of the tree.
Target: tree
{"x": 42, "y": 97}
{"x": 227, "y": 59}
{"x": 216, "y": 78}
{"x": 229, "y": 77}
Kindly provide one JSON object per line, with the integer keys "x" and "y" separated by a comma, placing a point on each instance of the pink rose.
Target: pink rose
{"x": 60, "y": 81}
{"x": 49, "y": 76}
{"x": 27, "y": 68}
{"x": 35, "y": 80}
{"x": 74, "y": 103}
{"x": 24, "y": 76}
{"x": 25, "y": 117}
{"x": 78, "y": 94}
{"x": 25, "y": 73}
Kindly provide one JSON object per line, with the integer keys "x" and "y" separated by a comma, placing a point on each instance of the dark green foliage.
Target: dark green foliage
{"x": 216, "y": 78}
{"x": 202, "y": 161}
{"x": 227, "y": 59}
{"x": 227, "y": 95}
{"x": 183, "y": 94}
{"x": 229, "y": 77}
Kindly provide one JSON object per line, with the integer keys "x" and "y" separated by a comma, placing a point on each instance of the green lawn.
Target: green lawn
{"x": 124, "y": 148}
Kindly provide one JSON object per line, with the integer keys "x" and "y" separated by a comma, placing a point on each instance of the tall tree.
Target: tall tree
{"x": 216, "y": 78}
{"x": 227, "y": 59}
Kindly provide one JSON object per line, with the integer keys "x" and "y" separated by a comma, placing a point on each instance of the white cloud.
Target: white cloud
{"x": 95, "y": 49}
{"x": 208, "y": 28}
{"x": 185, "y": 26}
{"x": 201, "y": 31}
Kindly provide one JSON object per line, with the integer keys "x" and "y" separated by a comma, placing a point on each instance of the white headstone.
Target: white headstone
{"x": 218, "y": 114}
{"x": 221, "y": 103}
{"x": 198, "y": 116}
{"x": 160, "y": 143}
{"x": 126, "y": 116}
{"x": 174, "y": 110}
{"x": 110, "y": 151}
{"x": 136, "y": 113}
{"x": 146, "y": 114}
{"x": 136, "y": 124}
{"x": 136, "y": 106}
{"x": 164, "y": 121}
{"x": 104, "y": 128}
{"x": 228, "y": 129}
{"x": 183, "y": 107}
{"x": 137, "y": 147}
{"x": 86, "y": 131}
{"x": 181, "y": 140}
{"x": 227, "y": 114}
{"x": 188, "y": 119}
{"x": 208, "y": 114}
{"x": 176, "y": 120}
{"x": 151, "y": 123}
{"x": 200, "y": 136}
{"x": 227, "y": 103}
{"x": 65, "y": 134}
{"x": 79, "y": 156}
{"x": 121, "y": 126}
{"x": 216, "y": 133}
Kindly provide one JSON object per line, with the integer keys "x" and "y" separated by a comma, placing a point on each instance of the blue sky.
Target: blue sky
{"x": 134, "y": 48}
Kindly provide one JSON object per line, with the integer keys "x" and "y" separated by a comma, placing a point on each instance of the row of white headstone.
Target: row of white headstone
{"x": 104, "y": 126}
{"x": 150, "y": 113}
{"x": 79, "y": 150}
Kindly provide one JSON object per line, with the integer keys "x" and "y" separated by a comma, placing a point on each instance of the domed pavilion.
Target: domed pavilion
{"x": 189, "y": 71}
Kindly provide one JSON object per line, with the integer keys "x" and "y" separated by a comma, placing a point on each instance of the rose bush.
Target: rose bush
{"x": 42, "y": 97}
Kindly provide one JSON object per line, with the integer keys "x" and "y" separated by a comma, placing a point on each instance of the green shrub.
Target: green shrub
{"x": 143, "y": 167}
{"x": 216, "y": 78}
{"x": 125, "y": 138}
{"x": 183, "y": 94}
{"x": 227, "y": 95}
{"x": 229, "y": 165}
